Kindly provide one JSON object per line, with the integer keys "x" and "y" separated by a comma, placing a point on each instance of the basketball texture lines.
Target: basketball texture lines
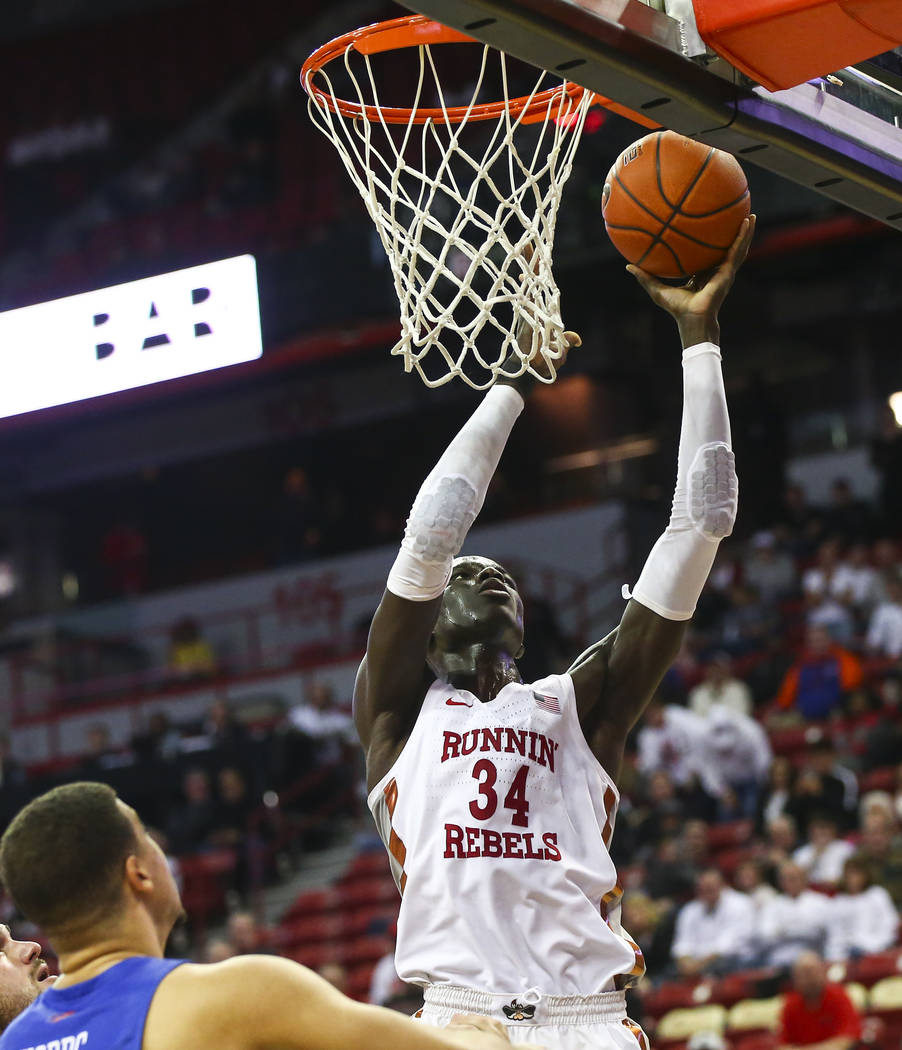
{"x": 673, "y": 205}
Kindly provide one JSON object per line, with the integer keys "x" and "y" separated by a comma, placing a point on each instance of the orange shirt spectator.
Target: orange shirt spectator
{"x": 815, "y": 684}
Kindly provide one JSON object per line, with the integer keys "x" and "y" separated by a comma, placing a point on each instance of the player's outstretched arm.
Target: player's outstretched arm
{"x": 259, "y": 1002}
{"x": 615, "y": 679}
{"x": 393, "y": 678}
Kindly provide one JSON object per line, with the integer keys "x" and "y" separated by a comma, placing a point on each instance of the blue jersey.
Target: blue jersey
{"x": 105, "y": 1013}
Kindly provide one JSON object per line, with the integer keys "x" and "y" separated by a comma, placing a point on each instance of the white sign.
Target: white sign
{"x": 129, "y": 335}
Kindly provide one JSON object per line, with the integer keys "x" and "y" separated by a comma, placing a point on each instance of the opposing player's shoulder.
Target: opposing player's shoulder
{"x": 228, "y": 1005}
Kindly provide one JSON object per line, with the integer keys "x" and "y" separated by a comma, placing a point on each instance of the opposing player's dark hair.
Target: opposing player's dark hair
{"x": 63, "y": 856}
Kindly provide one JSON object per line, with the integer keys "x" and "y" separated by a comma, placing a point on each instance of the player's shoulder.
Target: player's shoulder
{"x": 216, "y": 1003}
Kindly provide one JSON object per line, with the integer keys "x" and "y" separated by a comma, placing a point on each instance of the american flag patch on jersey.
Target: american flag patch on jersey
{"x": 547, "y": 703}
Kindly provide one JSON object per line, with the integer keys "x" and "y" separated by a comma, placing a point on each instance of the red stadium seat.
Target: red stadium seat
{"x": 311, "y": 930}
{"x": 872, "y": 968}
{"x": 362, "y": 950}
{"x": 367, "y": 865}
{"x": 671, "y": 995}
{"x": 368, "y": 892}
{"x": 883, "y": 779}
{"x": 314, "y": 955}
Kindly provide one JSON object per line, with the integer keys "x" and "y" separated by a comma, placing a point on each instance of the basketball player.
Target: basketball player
{"x": 78, "y": 862}
{"x": 496, "y": 799}
{"x": 23, "y": 975}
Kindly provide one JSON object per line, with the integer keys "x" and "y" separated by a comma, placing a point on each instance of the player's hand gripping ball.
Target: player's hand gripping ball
{"x": 673, "y": 206}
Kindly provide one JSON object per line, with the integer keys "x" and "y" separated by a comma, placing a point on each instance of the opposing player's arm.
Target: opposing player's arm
{"x": 258, "y": 1002}
{"x": 616, "y": 678}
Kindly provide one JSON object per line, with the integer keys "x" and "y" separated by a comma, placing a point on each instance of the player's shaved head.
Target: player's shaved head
{"x": 62, "y": 858}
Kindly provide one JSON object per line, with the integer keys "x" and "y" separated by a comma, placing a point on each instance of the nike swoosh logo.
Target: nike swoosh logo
{"x": 457, "y": 703}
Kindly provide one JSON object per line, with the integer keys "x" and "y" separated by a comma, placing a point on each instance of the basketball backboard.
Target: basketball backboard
{"x": 839, "y": 135}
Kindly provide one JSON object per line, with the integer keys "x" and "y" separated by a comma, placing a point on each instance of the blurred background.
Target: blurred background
{"x": 187, "y": 571}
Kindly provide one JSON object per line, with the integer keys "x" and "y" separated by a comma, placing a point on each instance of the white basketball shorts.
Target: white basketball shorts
{"x": 558, "y": 1022}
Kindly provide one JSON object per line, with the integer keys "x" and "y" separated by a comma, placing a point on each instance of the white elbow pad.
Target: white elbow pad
{"x": 713, "y": 494}
{"x": 436, "y": 529}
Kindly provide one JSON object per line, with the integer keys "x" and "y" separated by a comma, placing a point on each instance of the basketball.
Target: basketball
{"x": 673, "y": 205}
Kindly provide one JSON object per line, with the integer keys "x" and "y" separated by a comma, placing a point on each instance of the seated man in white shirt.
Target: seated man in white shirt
{"x": 714, "y": 931}
{"x": 884, "y": 636}
{"x": 796, "y": 920}
{"x": 825, "y": 853}
{"x": 866, "y": 920}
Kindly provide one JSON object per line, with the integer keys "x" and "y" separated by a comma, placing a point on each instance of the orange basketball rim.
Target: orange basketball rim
{"x": 418, "y": 31}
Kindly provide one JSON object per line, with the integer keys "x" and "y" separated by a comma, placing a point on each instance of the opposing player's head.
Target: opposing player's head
{"x": 481, "y": 606}
{"x": 79, "y": 863}
{"x": 23, "y": 975}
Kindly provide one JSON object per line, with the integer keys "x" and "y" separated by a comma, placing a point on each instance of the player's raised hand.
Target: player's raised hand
{"x": 695, "y": 305}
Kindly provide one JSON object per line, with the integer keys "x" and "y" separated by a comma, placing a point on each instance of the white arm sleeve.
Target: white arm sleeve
{"x": 705, "y": 500}
{"x": 451, "y": 497}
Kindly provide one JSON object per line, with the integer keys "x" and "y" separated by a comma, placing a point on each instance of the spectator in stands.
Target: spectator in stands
{"x": 817, "y": 1013}
{"x": 191, "y": 656}
{"x": 815, "y": 685}
{"x": 797, "y": 919}
{"x": 336, "y": 975}
{"x": 883, "y": 744}
{"x": 818, "y": 579}
{"x": 881, "y": 850}
{"x": 865, "y": 918}
{"x": 851, "y": 519}
{"x": 781, "y": 838}
{"x": 839, "y": 783}
{"x": 101, "y": 757}
{"x": 884, "y": 637}
{"x": 246, "y": 936}
{"x": 193, "y": 820}
{"x": 13, "y": 783}
{"x": 897, "y": 797}
{"x": 825, "y": 853}
{"x": 886, "y": 456}
{"x": 855, "y": 581}
{"x": 385, "y": 984}
{"x": 233, "y": 808}
{"x": 769, "y": 570}
{"x": 802, "y": 524}
{"x": 667, "y": 741}
{"x": 651, "y": 926}
{"x": 885, "y": 559}
{"x": 668, "y": 876}
{"x": 694, "y": 847}
{"x": 161, "y": 741}
{"x": 749, "y": 879}
{"x": 225, "y": 735}
{"x": 298, "y": 529}
{"x": 720, "y": 687}
{"x": 218, "y": 950}
{"x": 776, "y": 797}
{"x": 713, "y": 931}
{"x": 323, "y": 721}
{"x": 665, "y": 813}
{"x": 748, "y": 622}
{"x": 830, "y": 613}
{"x": 734, "y": 758}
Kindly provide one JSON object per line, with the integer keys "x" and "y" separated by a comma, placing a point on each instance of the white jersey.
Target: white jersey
{"x": 497, "y": 819}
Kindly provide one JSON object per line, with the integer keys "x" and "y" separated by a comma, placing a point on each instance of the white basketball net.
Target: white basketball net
{"x": 457, "y": 229}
